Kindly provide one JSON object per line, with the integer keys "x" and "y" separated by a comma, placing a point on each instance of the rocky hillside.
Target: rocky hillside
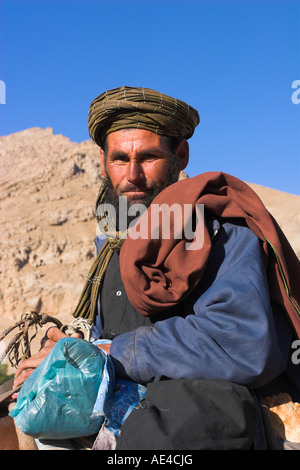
{"x": 48, "y": 190}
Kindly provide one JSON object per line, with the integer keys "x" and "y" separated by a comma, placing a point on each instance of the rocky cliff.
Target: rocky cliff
{"x": 48, "y": 191}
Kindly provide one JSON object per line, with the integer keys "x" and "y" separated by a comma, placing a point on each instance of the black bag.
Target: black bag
{"x": 191, "y": 415}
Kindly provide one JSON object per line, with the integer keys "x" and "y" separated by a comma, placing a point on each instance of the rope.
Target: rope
{"x": 76, "y": 326}
{"x": 19, "y": 347}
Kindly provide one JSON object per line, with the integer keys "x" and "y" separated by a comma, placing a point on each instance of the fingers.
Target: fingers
{"x": 76, "y": 335}
{"x": 20, "y": 379}
{"x": 34, "y": 361}
{"x": 27, "y": 366}
{"x": 54, "y": 334}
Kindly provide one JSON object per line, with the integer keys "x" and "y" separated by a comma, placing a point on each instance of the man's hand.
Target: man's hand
{"x": 27, "y": 366}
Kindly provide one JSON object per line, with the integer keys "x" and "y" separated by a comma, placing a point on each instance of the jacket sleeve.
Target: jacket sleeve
{"x": 231, "y": 335}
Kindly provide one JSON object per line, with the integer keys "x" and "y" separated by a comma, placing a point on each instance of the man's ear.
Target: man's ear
{"x": 182, "y": 153}
{"x": 102, "y": 162}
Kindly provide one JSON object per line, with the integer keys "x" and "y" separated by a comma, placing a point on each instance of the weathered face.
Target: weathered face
{"x": 138, "y": 164}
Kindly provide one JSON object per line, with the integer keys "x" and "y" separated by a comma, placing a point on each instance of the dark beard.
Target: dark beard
{"x": 112, "y": 198}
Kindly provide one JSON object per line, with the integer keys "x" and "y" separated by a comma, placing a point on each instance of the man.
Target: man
{"x": 205, "y": 329}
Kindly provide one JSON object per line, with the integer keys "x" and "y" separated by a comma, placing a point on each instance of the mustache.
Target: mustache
{"x": 136, "y": 189}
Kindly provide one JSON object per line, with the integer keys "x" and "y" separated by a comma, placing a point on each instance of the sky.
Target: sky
{"x": 236, "y": 62}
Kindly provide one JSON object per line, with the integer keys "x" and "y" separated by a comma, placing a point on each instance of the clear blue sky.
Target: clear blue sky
{"x": 235, "y": 61}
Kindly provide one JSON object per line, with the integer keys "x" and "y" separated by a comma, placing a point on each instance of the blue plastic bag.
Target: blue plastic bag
{"x": 116, "y": 397}
{"x": 124, "y": 399}
{"x": 58, "y": 399}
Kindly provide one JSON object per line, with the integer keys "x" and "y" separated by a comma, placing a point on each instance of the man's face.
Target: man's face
{"x": 138, "y": 165}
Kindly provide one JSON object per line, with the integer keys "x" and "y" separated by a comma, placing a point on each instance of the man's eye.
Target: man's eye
{"x": 150, "y": 156}
{"x": 120, "y": 158}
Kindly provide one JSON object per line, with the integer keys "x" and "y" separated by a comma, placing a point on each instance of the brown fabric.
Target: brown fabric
{"x": 159, "y": 273}
{"x": 142, "y": 108}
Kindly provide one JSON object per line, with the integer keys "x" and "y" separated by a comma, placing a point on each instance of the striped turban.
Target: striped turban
{"x": 140, "y": 108}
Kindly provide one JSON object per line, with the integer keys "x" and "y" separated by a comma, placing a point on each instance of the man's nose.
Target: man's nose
{"x": 134, "y": 172}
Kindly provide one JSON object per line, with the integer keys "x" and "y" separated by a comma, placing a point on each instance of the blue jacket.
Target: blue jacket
{"x": 231, "y": 333}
